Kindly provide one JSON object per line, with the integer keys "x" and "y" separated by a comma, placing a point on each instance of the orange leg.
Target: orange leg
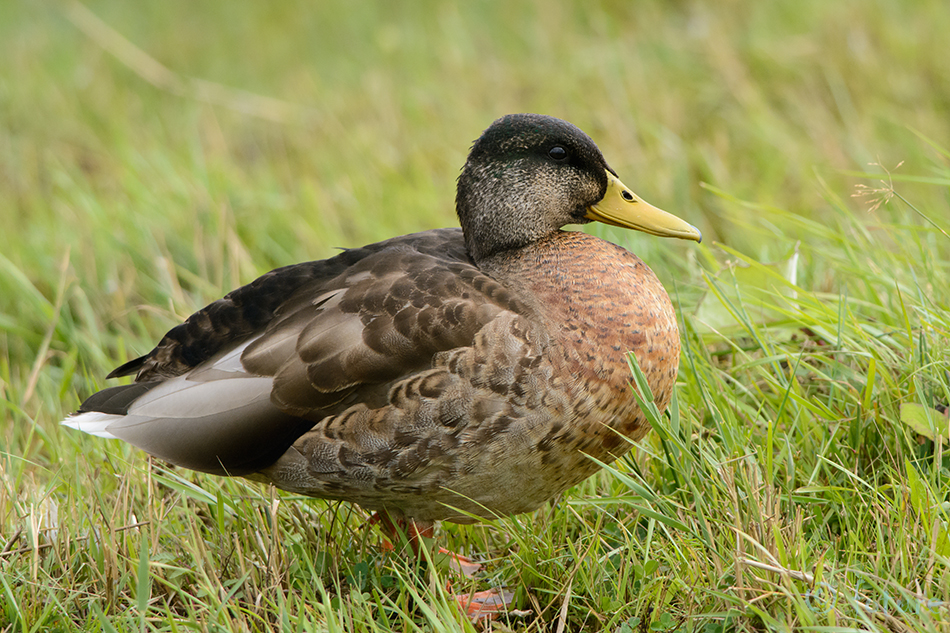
{"x": 478, "y": 605}
{"x": 414, "y": 532}
{"x": 484, "y": 605}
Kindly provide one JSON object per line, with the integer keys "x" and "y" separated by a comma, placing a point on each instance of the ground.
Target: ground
{"x": 154, "y": 156}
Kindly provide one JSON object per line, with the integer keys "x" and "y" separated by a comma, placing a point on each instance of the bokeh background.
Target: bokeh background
{"x": 376, "y": 103}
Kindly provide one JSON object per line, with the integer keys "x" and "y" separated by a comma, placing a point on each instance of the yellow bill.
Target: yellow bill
{"x": 621, "y": 207}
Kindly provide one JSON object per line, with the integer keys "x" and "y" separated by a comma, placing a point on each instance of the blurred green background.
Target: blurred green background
{"x": 383, "y": 100}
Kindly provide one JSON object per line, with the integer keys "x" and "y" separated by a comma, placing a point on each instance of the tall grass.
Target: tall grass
{"x": 799, "y": 481}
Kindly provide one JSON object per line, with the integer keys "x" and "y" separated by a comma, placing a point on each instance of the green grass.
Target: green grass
{"x": 795, "y": 483}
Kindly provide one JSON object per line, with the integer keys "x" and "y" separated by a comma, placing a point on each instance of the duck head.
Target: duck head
{"x": 530, "y": 174}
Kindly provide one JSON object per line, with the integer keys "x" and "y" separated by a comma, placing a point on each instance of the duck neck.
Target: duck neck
{"x": 533, "y": 261}
{"x": 500, "y": 216}
{"x": 552, "y": 265}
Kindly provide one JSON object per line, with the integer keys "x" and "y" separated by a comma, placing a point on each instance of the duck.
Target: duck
{"x": 446, "y": 375}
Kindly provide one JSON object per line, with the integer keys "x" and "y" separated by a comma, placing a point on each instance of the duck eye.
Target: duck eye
{"x": 557, "y": 153}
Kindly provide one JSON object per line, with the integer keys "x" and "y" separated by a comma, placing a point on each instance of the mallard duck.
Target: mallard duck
{"x": 442, "y": 375}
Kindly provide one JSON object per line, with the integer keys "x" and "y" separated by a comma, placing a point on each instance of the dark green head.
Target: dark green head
{"x": 529, "y": 174}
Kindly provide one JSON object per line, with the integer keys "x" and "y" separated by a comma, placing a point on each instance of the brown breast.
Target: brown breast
{"x": 598, "y": 302}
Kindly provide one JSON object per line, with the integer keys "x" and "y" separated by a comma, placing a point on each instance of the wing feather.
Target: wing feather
{"x": 339, "y": 341}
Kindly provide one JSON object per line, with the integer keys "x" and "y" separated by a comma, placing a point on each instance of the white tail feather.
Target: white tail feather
{"x": 93, "y": 422}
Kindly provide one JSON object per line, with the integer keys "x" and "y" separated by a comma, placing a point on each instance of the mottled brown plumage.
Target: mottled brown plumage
{"x": 434, "y": 375}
